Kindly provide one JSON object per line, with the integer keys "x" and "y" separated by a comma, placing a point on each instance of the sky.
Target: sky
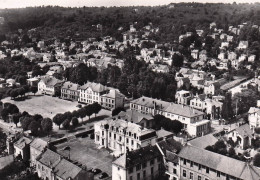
{"x": 80, "y": 3}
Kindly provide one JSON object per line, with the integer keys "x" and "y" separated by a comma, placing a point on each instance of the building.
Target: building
{"x": 211, "y": 107}
{"x": 70, "y": 91}
{"x": 22, "y": 148}
{"x": 212, "y": 88}
{"x": 192, "y": 119}
{"x": 49, "y": 85}
{"x": 145, "y": 163}
{"x": 144, "y": 120}
{"x": 183, "y": 97}
{"x": 203, "y": 141}
{"x": 92, "y": 92}
{"x": 33, "y": 82}
{"x": 37, "y": 146}
{"x": 201, "y": 164}
{"x": 121, "y": 136}
{"x": 243, "y": 45}
{"x": 52, "y": 166}
{"x": 195, "y": 54}
{"x": 243, "y": 135}
{"x": 112, "y": 100}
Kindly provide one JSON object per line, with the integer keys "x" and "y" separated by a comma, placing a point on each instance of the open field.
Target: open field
{"x": 86, "y": 152}
{"x": 47, "y": 106}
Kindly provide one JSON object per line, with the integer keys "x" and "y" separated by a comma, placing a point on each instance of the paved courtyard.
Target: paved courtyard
{"x": 86, "y": 152}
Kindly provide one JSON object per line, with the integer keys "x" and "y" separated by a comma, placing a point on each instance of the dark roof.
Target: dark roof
{"x": 132, "y": 158}
{"x": 224, "y": 164}
{"x": 172, "y": 157}
{"x": 169, "y": 145}
{"x": 134, "y": 116}
{"x": 203, "y": 141}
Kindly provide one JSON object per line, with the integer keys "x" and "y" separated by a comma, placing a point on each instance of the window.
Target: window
{"x": 131, "y": 170}
{"x": 144, "y": 165}
{"x": 191, "y": 164}
{"x": 207, "y": 170}
{"x": 144, "y": 174}
{"x": 151, "y": 170}
{"x": 138, "y": 167}
{"x": 199, "y": 167}
{"x": 191, "y": 175}
{"x": 114, "y": 136}
{"x": 132, "y": 142}
{"x": 174, "y": 171}
{"x": 218, "y": 174}
{"x": 199, "y": 177}
{"x": 184, "y": 161}
{"x": 131, "y": 178}
{"x": 184, "y": 173}
{"x": 118, "y": 168}
{"x": 151, "y": 162}
{"x": 126, "y": 140}
{"x": 227, "y": 177}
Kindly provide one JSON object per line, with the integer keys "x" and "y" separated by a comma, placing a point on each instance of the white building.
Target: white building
{"x": 122, "y": 136}
{"x": 254, "y": 116}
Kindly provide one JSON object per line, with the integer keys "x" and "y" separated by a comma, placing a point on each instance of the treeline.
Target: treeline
{"x": 78, "y": 22}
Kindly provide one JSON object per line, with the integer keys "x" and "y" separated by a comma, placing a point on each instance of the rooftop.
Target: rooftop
{"x": 203, "y": 141}
{"x": 134, "y": 116}
{"x": 239, "y": 169}
{"x": 38, "y": 144}
{"x": 96, "y": 87}
{"x": 22, "y": 142}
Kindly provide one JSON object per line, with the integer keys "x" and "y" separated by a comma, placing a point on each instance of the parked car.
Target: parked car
{"x": 96, "y": 171}
{"x": 103, "y": 175}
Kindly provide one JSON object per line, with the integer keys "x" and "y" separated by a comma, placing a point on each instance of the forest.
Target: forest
{"x": 81, "y": 23}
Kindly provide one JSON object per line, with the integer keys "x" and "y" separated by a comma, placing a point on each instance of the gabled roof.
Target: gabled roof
{"x": 96, "y": 87}
{"x": 169, "y": 145}
{"x": 244, "y": 131}
{"x": 113, "y": 93}
{"x": 133, "y": 158}
{"x": 65, "y": 169}
{"x": 49, "y": 158}
{"x": 134, "y": 116}
{"x": 38, "y": 144}
{"x": 254, "y": 110}
{"x": 70, "y": 86}
{"x": 182, "y": 110}
{"x": 22, "y": 142}
{"x": 225, "y": 164}
{"x": 203, "y": 141}
{"x": 50, "y": 81}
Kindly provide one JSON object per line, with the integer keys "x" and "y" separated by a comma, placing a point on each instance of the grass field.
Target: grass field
{"x": 47, "y": 106}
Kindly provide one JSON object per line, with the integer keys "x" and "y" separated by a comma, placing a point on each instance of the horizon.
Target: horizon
{"x": 12, "y": 4}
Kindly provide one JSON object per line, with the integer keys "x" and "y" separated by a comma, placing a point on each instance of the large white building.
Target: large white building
{"x": 254, "y": 116}
{"x": 192, "y": 119}
{"x": 120, "y": 135}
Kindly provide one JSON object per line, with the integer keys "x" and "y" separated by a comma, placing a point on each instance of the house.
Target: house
{"x": 243, "y": 135}
{"x": 37, "y": 146}
{"x": 224, "y": 45}
{"x": 162, "y": 134}
{"x": 229, "y": 38}
{"x": 197, "y": 163}
{"x": 211, "y": 107}
{"x": 183, "y": 97}
{"x": 254, "y": 116}
{"x": 200, "y": 32}
{"x": 223, "y": 36}
{"x": 251, "y": 58}
{"x": 242, "y": 57}
{"x": 203, "y": 55}
{"x": 22, "y": 148}
{"x": 195, "y": 54}
{"x": 222, "y": 56}
{"x": 144, "y": 163}
{"x": 212, "y": 25}
{"x": 92, "y": 92}
{"x": 70, "y": 91}
{"x": 33, "y": 81}
{"x": 232, "y": 55}
{"x": 212, "y": 87}
{"x": 122, "y": 136}
{"x": 112, "y": 100}
{"x": 51, "y": 165}
{"x": 40, "y": 44}
{"x": 243, "y": 45}
{"x": 183, "y": 82}
{"x": 49, "y": 85}
{"x": 159, "y": 68}
{"x": 144, "y": 120}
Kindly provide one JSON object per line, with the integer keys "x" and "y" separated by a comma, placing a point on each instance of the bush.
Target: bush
{"x": 75, "y": 121}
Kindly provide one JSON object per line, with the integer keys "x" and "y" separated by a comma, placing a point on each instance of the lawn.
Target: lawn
{"x": 47, "y": 106}
{"x": 86, "y": 152}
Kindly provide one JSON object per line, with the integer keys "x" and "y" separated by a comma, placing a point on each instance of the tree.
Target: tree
{"x": 227, "y": 111}
{"x": 34, "y": 127}
{"x": 177, "y": 60}
{"x": 256, "y": 160}
{"x": 37, "y": 118}
{"x": 257, "y": 130}
{"x": 58, "y": 119}
{"x": 34, "y": 89}
{"x": 25, "y": 122}
{"x": 16, "y": 118}
{"x": 46, "y": 124}
{"x": 81, "y": 113}
{"x": 66, "y": 124}
{"x": 75, "y": 121}
{"x": 14, "y": 93}
{"x": 88, "y": 111}
{"x": 4, "y": 114}
{"x": 116, "y": 111}
{"x": 231, "y": 152}
{"x": 176, "y": 126}
{"x": 96, "y": 108}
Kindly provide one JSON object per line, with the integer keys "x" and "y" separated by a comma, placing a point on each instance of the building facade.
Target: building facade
{"x": 70, "y": 91}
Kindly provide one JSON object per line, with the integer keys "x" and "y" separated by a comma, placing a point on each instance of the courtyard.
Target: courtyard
{"x": 86, "y": 152}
